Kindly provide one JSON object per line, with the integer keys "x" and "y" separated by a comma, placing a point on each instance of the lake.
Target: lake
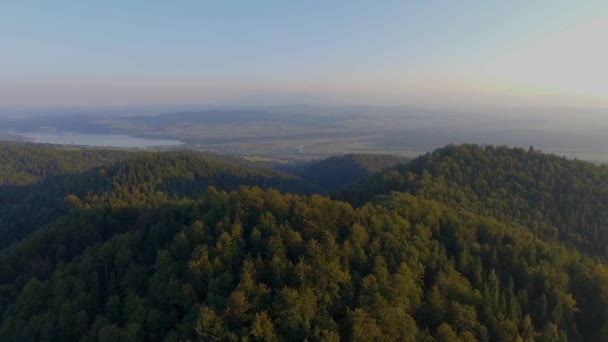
{"x": 105, "y": 140}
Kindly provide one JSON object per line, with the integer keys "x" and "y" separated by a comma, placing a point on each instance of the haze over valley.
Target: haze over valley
{"x": 296, "y": 133}
{"x": 269, "y": 171}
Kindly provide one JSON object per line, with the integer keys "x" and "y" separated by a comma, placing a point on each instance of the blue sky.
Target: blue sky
{"x": 384, "y": 52}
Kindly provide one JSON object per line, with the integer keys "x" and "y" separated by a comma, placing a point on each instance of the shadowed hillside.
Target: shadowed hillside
{"x": 467, "y": 243}
{"x": 340, "y": 171}
{"x": 29, "y": 163}
{"x": 142, "y": 177}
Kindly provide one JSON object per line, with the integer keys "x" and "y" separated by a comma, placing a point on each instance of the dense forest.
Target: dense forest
{"x": 29, "y": 163}
{"x": 556, "y": 198}
{"x": 137, "y": 177}
{"x": 338, "y": 172}
{"x": 467, "y": 243}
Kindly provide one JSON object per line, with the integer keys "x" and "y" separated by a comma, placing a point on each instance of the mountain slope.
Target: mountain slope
{"x": 266, "y": 266}
{"x": 449, "y": 247}
{"x": 143, "y": 177}
{"x": 557, "y": 198}
{"x": 22, "y": 164}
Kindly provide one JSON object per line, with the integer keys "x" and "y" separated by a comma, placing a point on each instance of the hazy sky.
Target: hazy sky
{"x": 75, "y": 53}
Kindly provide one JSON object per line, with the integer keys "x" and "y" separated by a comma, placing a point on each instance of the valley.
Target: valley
{"x": 301, "y": 133}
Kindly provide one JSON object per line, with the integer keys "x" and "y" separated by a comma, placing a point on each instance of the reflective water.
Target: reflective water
{"x": 109, "y": 140}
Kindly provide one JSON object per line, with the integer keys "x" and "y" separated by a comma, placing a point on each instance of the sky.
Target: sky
{"x": 434, "y": 53}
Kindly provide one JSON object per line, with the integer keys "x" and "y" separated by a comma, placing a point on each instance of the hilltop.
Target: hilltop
{"x": 467, "y": 243}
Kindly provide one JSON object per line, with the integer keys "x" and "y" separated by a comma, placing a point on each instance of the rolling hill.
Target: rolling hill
{"x": 559, "y": 199}
{"x": 468, "y": 243}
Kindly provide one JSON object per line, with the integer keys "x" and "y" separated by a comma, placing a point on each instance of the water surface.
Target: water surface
{"x": 105, "y": 140}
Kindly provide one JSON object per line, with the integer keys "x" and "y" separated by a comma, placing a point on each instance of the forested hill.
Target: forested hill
{"x": 340, "y": 171}
{"x": 182, "y": 174}
{"x": 557, "y": 198}
{"x": 136, "y": 178}
{"x": 22, "y": 164}
{"x": 264, "y": 266}
{"x": 143, "y": 250}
